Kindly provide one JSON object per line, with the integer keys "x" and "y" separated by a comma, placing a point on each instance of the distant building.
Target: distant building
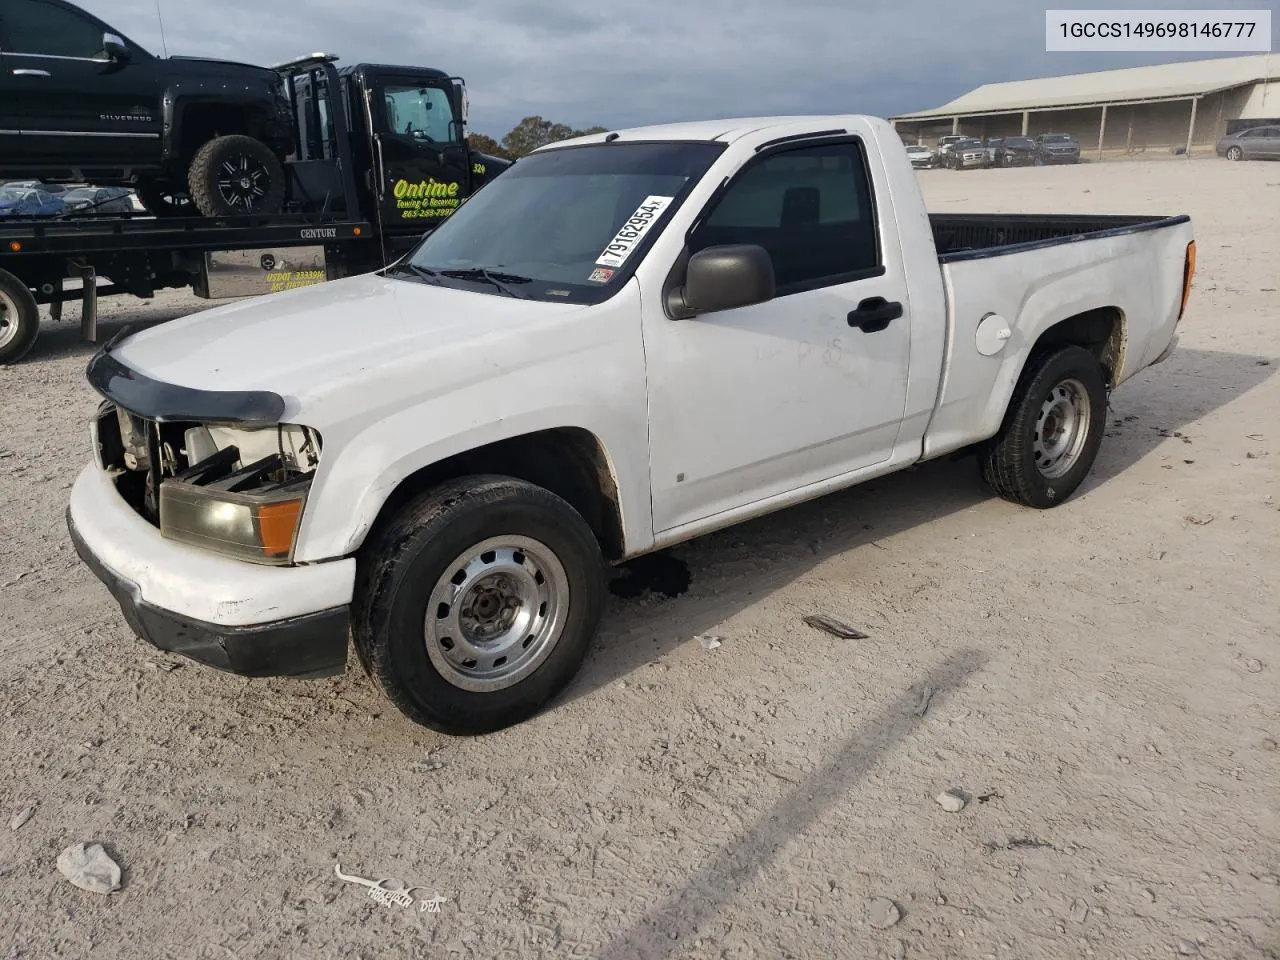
{"x": 1166, "y": 108}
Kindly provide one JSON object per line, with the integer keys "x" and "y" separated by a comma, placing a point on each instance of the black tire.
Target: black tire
{"x": 162, "y": 202}
{"x": 1016, "y": 463}
{"x": 408, "y": 560}
{"x": 19, "y": 319}
{"x": 1235, "y": 153}
{"x": 236, "y": 175}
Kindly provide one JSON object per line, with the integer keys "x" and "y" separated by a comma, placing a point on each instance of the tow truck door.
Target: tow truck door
{"x": 420, "y": 150}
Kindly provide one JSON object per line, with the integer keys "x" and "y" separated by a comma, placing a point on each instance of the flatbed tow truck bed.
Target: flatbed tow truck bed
{"x": 224, "y": 257}
{"x": 365, "y": 184}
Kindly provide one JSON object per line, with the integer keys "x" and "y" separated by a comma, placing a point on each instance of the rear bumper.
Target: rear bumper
{"x": 247, "y": 619}
{"x": 1168, "y": 351}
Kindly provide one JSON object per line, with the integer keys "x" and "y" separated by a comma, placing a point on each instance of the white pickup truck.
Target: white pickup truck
{"x": 626, "y": 341}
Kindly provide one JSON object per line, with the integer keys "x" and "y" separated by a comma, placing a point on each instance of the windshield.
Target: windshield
{"x": 12, "y": 193}
{"x": 1019, "y": 142}
{"x": 566, "y": 225}
{"x": 1057, "y": 138}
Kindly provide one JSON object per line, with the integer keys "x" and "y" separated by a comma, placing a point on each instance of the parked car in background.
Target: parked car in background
{"x": 1014, "y": 152}
{"x": 1256, "y": 143}
{"x": 921, "y": 157}
{"x": 29, "y": 202}
{"x": 99, "y": 200}
{"x": 36, "y": 185}
{"x": 967, "y": 154}
{"x": 1057, "y": 148}
{"x": 946, "y": 143}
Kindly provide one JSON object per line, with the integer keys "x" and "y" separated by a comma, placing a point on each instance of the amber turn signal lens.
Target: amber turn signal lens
{"x": 1188, "y": 274}
{"x": 15, "y": 246}
{"x": 277, "y": 524}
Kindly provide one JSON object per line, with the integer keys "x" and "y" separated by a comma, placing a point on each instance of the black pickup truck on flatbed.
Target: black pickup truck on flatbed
{"x": 377, "y": 156}
{"x": 80, "y": 101}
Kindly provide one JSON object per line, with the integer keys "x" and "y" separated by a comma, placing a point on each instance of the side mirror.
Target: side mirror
{"x": 115, "y": 48}
{"x": 726, "y": 277}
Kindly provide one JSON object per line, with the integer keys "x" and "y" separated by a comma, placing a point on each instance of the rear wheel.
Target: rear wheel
{"x": 19, "y": 318}
{"x": 236, "y": 175}
{"x": 1052, "y": 431}
{"x": 476, "y": 604}
{"x": 1235, "y": 153}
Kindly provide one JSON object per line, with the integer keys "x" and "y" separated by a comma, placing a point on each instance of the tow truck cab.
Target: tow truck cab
{"x": 403, "y": 127}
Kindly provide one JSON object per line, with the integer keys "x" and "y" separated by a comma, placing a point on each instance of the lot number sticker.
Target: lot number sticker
{"x": 633, "y": 231}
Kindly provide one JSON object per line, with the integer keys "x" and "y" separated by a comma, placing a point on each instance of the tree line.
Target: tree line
{"x": 526, "y": 136}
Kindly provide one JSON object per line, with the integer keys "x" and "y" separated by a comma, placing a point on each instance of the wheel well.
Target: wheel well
{"x": 201, "y": 122}
{"x": 1100, "y": 331}
{"x": 568, "y": 461}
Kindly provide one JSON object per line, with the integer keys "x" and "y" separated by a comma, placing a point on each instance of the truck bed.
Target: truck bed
{"x": 971, "y": 236}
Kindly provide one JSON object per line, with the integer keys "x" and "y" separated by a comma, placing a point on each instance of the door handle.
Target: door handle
{"x": 874, "y": 314}
{"x": 31, "y": 73}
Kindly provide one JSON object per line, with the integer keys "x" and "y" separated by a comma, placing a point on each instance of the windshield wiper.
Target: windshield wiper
{"x": 422, "y": 273}
{"x": 499, "y": 280}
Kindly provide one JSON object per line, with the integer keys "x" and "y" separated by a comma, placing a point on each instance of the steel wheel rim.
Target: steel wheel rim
{"x": 496, "y": 613}
{"x": 8, "y": 320}
{"x": 1062, "y": 429}
{"x": 243, "y": 181}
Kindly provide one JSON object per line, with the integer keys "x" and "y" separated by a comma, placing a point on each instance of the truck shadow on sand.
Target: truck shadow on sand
{"x": 717, "y": 576}
{"x": 669, "y": 925}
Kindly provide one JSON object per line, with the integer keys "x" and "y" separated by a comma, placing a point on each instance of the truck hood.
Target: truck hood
{"x": 343, "y": 335}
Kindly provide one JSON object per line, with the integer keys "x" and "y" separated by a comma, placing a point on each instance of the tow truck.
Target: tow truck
{"x": 380, "y": 158}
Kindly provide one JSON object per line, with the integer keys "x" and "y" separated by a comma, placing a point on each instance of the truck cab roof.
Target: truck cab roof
{"x": 722, "y": 131}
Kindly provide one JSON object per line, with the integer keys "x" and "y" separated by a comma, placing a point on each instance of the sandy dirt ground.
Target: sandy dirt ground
{"x": 1105, "y": 677}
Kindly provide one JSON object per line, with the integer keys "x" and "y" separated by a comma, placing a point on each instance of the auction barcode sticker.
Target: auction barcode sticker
{"x": 1158, "y": 31}
{"x": 633, "y": 231}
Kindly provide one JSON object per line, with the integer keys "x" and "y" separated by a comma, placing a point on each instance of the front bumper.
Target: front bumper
{"x": 252, "y": 620}
{"x": 1062, "y": 158}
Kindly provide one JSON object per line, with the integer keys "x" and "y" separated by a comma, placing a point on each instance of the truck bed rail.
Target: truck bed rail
{"x": 115, "y": 234}
{"x": 972, "y": 236}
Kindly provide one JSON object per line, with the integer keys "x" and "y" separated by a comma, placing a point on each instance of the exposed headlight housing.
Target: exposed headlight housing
{"x": 261, "y": 527}
{"x": 246, "y": 510}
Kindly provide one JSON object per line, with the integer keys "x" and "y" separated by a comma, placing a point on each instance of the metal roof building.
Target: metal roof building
{"x": 1172, "y": 105}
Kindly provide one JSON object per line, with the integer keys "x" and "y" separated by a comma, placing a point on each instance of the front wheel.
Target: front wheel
{"x": 19, "y": 319}
{"x": 1235, "y": 153}
{"x": 1051, "y": 432}
{"x": 236, "y": 175}
{"x": 476, "y": 604}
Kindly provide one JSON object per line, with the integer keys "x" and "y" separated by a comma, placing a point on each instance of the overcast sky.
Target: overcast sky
{"x": 618, "y": 64}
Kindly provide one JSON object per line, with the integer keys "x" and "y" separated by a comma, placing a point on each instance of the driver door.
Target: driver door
{"x": 69, "y": 101}
{"x": 422, "y": 156}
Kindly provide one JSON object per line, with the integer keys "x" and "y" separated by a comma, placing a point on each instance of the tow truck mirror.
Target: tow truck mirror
{"x": 115, "y": 48}
{"x": 728, "y": 276}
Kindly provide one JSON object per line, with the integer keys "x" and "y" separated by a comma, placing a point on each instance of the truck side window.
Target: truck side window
{"x": 810, "y": 208}
{"x": 422, "y": 113}
{"x": 42, "y": 29}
